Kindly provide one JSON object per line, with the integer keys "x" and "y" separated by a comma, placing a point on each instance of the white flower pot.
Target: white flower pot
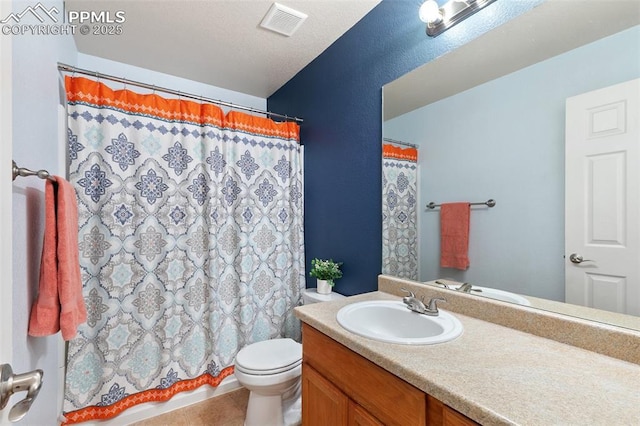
{"x": 323, "y": 287}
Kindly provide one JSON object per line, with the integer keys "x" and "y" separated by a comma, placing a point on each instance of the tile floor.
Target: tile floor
{"x": 225, "y": 410}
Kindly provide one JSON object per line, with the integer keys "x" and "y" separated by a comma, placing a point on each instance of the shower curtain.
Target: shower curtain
{"x": 399, "y": 212}
{"x": 191, "y": 243}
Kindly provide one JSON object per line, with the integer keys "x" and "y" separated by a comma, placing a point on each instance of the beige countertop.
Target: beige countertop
{"x": 500, "y": 376}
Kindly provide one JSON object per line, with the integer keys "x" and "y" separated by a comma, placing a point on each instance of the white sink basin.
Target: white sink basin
{"x": 391, "y": 322}
{"x": 506, "y": 296}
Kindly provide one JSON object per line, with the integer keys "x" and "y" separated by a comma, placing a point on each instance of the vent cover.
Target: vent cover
{"x": 282, "y": 19}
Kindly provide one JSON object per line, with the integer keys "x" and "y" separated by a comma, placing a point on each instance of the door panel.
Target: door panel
{"x": 602, "y": 216}
{"x": 322, "y": 402}
{"x": 606, "y": 183}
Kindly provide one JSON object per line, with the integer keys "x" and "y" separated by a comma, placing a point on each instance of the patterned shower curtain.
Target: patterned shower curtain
{"x": 399, "y": 212}
{"x": 191, "y": 243}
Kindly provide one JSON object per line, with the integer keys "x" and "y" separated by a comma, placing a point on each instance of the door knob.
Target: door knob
{"x": 10, "y": 383}
{"x": 577, "y": 258}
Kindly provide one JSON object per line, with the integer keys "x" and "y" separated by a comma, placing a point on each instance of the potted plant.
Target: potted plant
{"x": 325, "y": 271}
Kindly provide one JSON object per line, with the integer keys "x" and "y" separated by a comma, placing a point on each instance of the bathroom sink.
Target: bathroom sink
{"x": 391, "y": 322}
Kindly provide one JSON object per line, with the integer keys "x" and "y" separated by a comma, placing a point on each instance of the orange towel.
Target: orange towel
{"x": 454, "y": 235}
{"x": 45, "y": 312}
{"x": 59, "y": 305}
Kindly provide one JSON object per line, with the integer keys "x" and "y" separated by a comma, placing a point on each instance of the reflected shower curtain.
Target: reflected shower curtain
{"x": 191, "y": 243}
{"x": 399, "y": 212}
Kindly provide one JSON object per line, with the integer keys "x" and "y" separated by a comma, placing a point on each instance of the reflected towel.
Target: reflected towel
{"x": 454, "y": 235}
{"x": 60, "y": 304}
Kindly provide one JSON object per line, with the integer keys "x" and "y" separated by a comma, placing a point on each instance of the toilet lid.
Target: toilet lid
{"x": 269, "y": 357}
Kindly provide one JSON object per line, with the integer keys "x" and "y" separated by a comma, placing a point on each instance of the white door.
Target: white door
{"x": 29, "y": 93}
{"x": 6, "y": 259}
{"x": 602, "y": 192}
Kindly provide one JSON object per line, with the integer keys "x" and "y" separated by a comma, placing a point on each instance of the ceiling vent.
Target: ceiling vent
{"x": 282, "y": 19}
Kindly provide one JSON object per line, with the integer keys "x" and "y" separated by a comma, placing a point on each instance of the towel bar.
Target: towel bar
{"x": 490, "y": 203}
{"x": 23, "y": 172}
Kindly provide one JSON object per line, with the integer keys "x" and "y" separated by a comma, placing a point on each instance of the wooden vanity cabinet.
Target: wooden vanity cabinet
{"x": 340, "y": 387}
{"x": 322, "y": 402}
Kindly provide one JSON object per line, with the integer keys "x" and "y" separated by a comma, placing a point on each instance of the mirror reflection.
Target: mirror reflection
{"x": 496, "y": 119}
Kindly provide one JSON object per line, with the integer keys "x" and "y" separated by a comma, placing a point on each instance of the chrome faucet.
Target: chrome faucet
{"x": 417, "y": 305}
{"x": 413, "y": 303}
{"x": 468, "y": 288}
{"x": 465, "y": 288}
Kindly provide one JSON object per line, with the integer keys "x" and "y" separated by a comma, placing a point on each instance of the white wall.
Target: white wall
{"x": 505, "y": 140}
{"x": 130, "y": 72}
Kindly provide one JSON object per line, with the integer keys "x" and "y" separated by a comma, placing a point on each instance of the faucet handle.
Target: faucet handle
{"x": 442, "y": 283}
{"x": 433, "y": 303}
{"x": 409, "y": 293}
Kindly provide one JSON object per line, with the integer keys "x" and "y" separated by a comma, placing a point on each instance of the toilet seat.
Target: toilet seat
{"x": 269, "y": 357}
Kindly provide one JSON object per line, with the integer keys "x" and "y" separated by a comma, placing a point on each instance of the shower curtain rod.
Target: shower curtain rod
{"x": 72, "y": 69}
{"x": 412, "y": 145}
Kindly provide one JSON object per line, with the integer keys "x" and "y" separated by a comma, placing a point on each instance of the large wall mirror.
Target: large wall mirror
{"x": 491, "y": 120}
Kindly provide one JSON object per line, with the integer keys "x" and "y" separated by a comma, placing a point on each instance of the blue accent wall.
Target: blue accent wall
{"x": 339, "y": 95}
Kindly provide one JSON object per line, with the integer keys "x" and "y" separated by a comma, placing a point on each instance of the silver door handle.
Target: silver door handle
{"x": 577, "y": 258}
{"x": 10, "y": 383}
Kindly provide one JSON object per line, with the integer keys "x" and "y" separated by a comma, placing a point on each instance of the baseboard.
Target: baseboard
{"x": 181, "y": 400}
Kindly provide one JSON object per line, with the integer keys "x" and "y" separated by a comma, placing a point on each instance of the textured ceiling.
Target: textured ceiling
{"x": 219, "y": 42}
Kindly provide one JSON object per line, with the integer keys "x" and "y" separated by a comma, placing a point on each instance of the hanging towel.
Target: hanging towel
{"x": 45, "y": 312}
{"x": 59, "y": 305}
{"x": 454, "y": 235}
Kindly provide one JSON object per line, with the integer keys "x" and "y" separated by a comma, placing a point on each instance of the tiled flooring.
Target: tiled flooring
{"x": 225, "y": 410}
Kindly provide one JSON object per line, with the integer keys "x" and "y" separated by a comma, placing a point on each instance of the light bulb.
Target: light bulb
{"x": 430, "y": 12}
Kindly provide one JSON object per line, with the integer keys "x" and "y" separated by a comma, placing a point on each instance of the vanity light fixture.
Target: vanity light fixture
{"x": 441, "y": 18}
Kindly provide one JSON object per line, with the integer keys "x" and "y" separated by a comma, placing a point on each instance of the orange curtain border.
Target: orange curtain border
{"x": 152, "y": 395}
{"x": 86, "y": 91}
{"x": 392, "y": 151}
{"x": 261, "y": 125}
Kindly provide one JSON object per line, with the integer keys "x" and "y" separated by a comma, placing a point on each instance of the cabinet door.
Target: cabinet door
{"x": 440, "y": 414}
{"x": 358, "y": 416}
{"x": 390, "y": 399}
{"x": 452, "y": 418}
{"x": 322, "y": 403}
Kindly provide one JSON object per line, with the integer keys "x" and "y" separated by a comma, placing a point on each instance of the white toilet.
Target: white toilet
{"x": 271, "y": 371}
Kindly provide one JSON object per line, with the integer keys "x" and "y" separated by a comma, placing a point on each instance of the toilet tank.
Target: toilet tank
{"x": 310, "y": 295}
